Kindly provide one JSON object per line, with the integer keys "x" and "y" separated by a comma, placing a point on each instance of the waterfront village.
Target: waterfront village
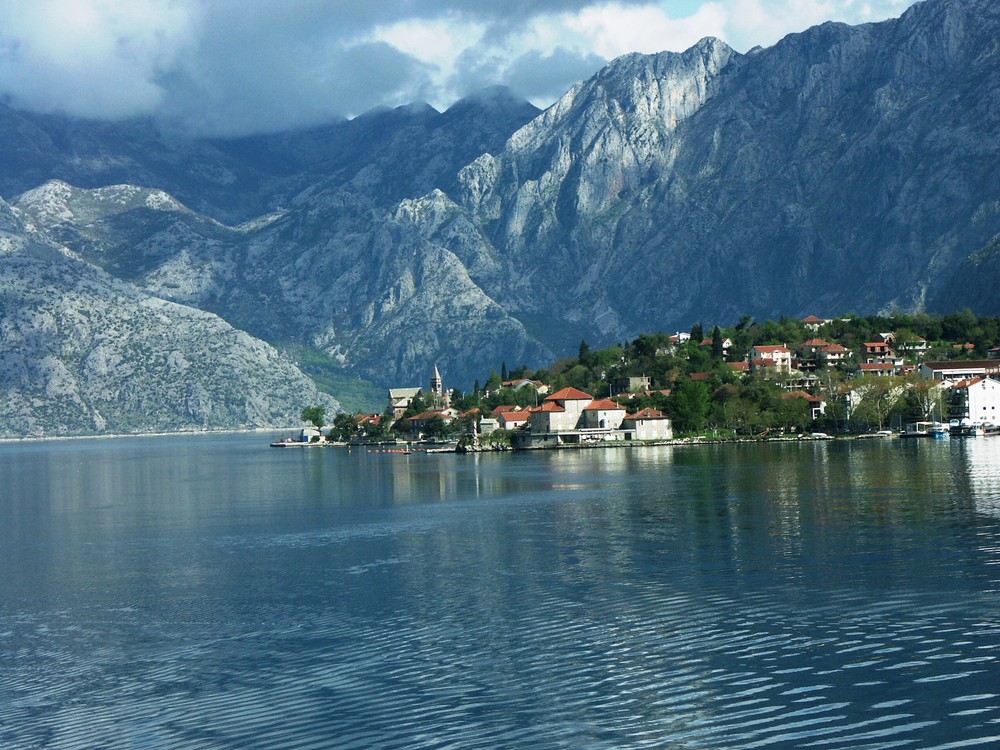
{"x": 813, "y": 378}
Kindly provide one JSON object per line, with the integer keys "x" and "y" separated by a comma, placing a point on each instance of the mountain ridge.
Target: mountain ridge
{"x": 845, "y": 168}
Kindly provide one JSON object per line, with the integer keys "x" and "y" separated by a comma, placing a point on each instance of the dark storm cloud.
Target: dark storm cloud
{"x": 544, "y": 77}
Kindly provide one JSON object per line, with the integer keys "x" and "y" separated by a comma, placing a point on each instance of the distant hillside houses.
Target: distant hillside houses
{"x": 755, "y": 378}
{"x": 573, "y": 417}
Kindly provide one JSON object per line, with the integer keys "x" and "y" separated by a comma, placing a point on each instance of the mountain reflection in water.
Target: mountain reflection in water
{"x": 196, "y": 592}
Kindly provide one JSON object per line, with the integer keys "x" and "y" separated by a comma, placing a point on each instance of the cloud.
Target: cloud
{"x": 614, "y": 30}
{"x": 225, "y": 67}
{"x": 93, "y": 59}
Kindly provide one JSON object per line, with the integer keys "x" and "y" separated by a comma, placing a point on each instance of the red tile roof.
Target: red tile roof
{"x": 569, "y": 394}
{"x": 967, "y": 382}
{"x": 604, "y": 404}
{"x": 429, "y": 414}
{"x": 815, "y": 342}
{"x": 514, "y": 416}
{"x": 766, "y": 348}
{"x": 876, "y": 366}
{"x": 803, "y": 394}
{"x": 549, "y": 406}
{"x": 813, "y": 319}
{"x": 647, "y": 414}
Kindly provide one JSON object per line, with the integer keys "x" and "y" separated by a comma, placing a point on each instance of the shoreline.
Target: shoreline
{"x": 116, "y": 436}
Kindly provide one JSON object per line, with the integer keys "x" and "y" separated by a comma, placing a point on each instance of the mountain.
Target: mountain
{"x": 83, "y": 352}
{"x": 843, "y": 169}
{"x": 384, "y": 155}
{"x": 333, "y": 272}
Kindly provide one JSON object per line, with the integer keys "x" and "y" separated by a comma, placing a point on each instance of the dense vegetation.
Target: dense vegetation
{"x": 693, "y": 380}
{"x": 722, "y": 399}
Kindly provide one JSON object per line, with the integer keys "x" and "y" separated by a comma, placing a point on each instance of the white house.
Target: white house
{"x": 648, "y": 424}
{"x": 572, "y": 417}
{"x": 560, "y": 412}
{"x": 765, "y": 356}
{"x": 833, "y": 354}
{"x": 975, "y": 399}
{"x": 603, "y": 414}
{"x": 400, "y": 399}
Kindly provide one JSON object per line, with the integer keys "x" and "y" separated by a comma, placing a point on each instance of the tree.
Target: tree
{"x": 688, "y": 405}
{"x": 875, "y": 397}
{"x": 718, "y": 352}
{"x": 435, "y": 427}
{"x": 344, "y": 426}
{"x": 924, "y": 398}
{"x": 314, "y": 414}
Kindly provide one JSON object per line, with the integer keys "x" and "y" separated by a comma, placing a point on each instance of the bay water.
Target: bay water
{"x": 211, "y": 592}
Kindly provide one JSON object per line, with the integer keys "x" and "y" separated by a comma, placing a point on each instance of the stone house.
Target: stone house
{"x": 648, "y": 424}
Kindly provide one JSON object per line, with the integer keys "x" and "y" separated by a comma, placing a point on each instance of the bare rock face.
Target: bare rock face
{"x": 842, "y": 169}
{"x": 82, "y": 352}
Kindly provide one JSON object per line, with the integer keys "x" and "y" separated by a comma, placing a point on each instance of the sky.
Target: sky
{"x": 233, "y": 67}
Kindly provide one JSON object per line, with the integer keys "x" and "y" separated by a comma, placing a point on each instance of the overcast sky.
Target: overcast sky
{"x": 226, "y": 67}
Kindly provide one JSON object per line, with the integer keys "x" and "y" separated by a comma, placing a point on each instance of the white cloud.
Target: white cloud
{"x": 96, "y": 58}
{"x": 231, "y": 66}
{"x": 763, "y": 22}
{"x": 613, "y": 30}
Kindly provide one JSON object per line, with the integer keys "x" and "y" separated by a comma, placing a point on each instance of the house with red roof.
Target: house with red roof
{"x": 812, "y": 347}
{"x": 777, "y": 356}
{"x": 877, "y": 351}
{"x": 603, "y": 414}
{"x": 560, "y": 412}
{"x": 817, "y": 405}
{"x": 648, "y": 424}
{"x": 833, "y": 354}
{"x": 572, "y": 417}
{"x": 813, "y": 323}
{"x": 976, "y": 400}
{"x": 420, "y": 423}
{"x": 882, "y": 369}
{"x": 512, "y": 417}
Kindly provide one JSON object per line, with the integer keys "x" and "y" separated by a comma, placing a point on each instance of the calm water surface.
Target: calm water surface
{"x": 209, "y": 592}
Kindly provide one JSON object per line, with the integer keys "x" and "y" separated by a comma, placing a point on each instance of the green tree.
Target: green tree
{"x": 718, "y": 352}
{"x": 314, "y": 414}
{"x": 344, "y": 427}
{"x": 688, "y": 404}
{"x": 435, "y": 427}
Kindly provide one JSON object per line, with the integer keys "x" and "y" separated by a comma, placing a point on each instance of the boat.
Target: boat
{"x": 965, "y": 428}
{"x": 925, "y": 429}
{"x": 968, "y": 428}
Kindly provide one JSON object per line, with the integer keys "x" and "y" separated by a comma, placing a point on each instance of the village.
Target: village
{"x": 827, "y": 377}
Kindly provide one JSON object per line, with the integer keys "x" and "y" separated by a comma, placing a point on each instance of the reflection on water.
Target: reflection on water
{"x": 210, "y": 592}
{"x": 980, "y": 476}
